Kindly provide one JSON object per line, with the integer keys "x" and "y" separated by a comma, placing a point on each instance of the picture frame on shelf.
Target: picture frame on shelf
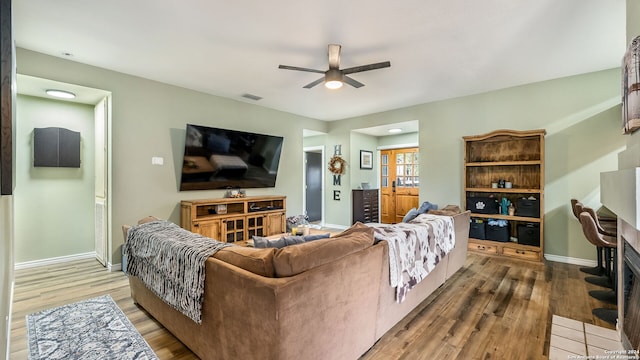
{"x": 366, "y": 159}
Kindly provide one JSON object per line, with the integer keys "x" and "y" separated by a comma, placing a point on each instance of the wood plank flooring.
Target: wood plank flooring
{"x": 493, "y": 308}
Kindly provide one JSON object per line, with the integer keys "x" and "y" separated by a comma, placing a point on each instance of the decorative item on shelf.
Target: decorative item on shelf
{"x": 235, "y": 193}
{"x": 501, "y": 183}
{"x": 512, "y": 210}
{"x": 221, "y": 209}
{"x": 494, "y": 185}
{"x": 508, "y": 185}
{"x": 504, "y": 206}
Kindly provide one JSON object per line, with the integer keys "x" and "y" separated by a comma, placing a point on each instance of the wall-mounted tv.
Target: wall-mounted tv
{"x": 224, "y": 159}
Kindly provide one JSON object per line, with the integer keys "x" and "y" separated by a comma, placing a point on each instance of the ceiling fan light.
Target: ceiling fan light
{"x": 333, "y": 79}
{"x": 333, "y": 84}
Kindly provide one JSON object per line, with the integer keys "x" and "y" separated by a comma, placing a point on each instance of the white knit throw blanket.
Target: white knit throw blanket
{"x": 170, "y": 261}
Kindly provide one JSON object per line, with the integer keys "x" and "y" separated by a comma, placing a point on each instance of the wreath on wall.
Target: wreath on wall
{"x": 337, "y": 165}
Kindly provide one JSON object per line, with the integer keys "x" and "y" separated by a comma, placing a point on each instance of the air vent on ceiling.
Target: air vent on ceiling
{"x": 252, "y": 97}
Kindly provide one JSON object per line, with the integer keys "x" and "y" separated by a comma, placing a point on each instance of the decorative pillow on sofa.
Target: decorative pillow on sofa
{"x": 293, "y": 260}
{"x": 449, "y": 210}
{"x": 411, "y": 214}
{"x": 258, "y": 261}
{"x": 265, "y": 242}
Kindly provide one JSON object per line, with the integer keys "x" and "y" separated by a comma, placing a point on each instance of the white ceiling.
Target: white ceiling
{"x": 437, "y": 49}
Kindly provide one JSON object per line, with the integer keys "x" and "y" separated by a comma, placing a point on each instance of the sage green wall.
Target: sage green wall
{"x": 149, "y": 119}
{"x": 357, "y": 176}
{"x": 580, "y": 113}
{"x": 633, "y": 15}
{"x": 54, "y": 206}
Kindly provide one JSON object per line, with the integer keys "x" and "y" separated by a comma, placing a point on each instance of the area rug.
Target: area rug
{"x": 89, "y": 329}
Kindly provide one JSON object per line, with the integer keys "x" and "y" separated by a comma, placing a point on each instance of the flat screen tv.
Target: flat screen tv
{"x": 227, "y": 159}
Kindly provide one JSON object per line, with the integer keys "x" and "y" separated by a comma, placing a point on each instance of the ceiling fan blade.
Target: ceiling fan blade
{"x": 355, "y": 83}
{"x": 312, "y": 84}
{"x": 362, "y": 68}
{"x": 334, "y": 56}
{"x": 287, "y": 67}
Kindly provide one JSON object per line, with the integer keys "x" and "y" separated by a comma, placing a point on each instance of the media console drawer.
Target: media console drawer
{"x": 521, "y": 253}
{"x": 489, "y": 249}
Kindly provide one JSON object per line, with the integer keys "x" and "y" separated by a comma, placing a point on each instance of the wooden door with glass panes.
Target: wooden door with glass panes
{"x": 399, "y": 183}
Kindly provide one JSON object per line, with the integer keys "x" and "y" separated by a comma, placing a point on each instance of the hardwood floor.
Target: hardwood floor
{"x": 493, "y": 308}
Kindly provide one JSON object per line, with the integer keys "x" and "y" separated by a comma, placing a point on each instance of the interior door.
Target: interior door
{"x": 399, "y": 183}
{"x": 313, "y": 189}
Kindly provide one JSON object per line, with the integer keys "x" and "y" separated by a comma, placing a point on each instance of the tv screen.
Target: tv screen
{"x": 224, "y": 159}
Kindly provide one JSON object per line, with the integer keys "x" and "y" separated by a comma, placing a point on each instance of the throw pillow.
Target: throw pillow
{"x": 316, "y": 237}
{"x": 426, "y": 206}
{"x": 262, "y": 242}
{"x": 410, "y": 215}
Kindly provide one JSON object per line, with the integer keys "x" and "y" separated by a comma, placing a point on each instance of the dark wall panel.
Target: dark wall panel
{"x": 56, "y": 147}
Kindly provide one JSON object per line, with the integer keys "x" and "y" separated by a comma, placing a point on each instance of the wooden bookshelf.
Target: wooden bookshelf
{"x": 516, "y": 157}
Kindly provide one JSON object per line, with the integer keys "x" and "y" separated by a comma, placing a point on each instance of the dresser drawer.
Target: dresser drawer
{"x": 489, "y": 249}
{"x": 522, "y": 254}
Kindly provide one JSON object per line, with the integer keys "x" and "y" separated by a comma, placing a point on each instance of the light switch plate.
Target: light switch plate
{"x": 156, "y": 160}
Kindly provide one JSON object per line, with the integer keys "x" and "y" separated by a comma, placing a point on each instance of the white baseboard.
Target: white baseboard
{"x": 56, "y": 260}
{"x": 114, "y": 267}
{"x": 570, "y": 260}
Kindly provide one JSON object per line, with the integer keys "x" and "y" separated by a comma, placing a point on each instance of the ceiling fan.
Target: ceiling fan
{"x": 335, "y": 77}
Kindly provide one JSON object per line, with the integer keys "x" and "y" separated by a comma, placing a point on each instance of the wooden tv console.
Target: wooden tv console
{"x": 235, "y": 219}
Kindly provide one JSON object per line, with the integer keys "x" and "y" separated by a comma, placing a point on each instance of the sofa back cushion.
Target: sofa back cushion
{"x": 258, "y": 261}
{"x": 295, "y": 259}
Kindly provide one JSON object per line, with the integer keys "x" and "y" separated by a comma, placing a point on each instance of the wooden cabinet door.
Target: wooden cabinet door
{"x": 399, "y": 183}
{"x": 256, "y": 226}
{"x": 276, "y": 224}
{"x": 233, "y": 229}
{"x": 210, "y": 228}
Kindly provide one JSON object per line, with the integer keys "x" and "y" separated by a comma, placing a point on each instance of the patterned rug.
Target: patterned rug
{"x": 89, "y": 329}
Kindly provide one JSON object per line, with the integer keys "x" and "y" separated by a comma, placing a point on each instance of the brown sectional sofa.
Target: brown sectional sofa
{"x": 326, "y": 299}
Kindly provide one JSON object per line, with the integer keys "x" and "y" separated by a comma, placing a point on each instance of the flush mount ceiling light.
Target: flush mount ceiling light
{"x": 62, "y": 94}
{"x": 395, "y": 130}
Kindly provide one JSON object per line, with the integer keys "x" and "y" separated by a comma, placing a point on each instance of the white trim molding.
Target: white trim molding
{"x": 55, "y": 260}
{"x": 114, "y": 267}
{"x": 570, "y": 260}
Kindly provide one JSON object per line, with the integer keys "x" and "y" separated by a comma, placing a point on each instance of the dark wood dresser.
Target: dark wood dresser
{"x": 365, "y": 205}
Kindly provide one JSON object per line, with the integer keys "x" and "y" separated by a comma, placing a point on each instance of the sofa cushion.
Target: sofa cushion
{"x": 293, "y": 260}
{"x": 267, "y": 242}
{"x": 258, "y": 261}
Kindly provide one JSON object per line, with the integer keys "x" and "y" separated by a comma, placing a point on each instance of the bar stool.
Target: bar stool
{"x": 599, "y": 269}
{"x": 610, "y": 245}
{"x": 607, "y": 279}
{"x": 609, "y": 296}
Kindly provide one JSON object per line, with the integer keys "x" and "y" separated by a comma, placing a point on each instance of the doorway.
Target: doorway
{"x": 73, "y": 221}
{"x": 399, "y": 183}
{"x": 313, "y": 183}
